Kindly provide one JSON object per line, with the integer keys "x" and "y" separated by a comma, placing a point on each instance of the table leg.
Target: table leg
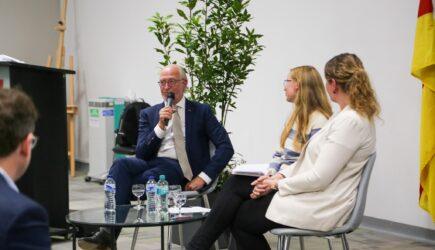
{"x": 162, "y": 236}
{"x": 169, "y": 239}
{"x": 112, "y": 238}
{"x": 133, "y": 242}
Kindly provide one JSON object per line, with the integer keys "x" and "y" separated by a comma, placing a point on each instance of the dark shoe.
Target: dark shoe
{"x": 99, "y": 241}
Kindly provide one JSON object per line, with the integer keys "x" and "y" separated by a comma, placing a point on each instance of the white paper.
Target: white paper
{"x": 189, "y": 210}
{"x": 5, "y": 58}
{"x": 251, "y": 169}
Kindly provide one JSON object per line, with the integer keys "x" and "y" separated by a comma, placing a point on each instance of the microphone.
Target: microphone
{"x": 169, "y": 101}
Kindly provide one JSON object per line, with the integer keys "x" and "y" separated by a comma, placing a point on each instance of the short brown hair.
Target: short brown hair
{"x": 17, "y": 119}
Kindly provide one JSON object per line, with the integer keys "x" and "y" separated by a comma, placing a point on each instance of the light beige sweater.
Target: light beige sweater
{"x": 320, "y": 188}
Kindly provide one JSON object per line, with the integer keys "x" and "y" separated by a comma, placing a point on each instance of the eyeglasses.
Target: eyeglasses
{"x": 170, "y": 83}
{"x": 34, "y": 141}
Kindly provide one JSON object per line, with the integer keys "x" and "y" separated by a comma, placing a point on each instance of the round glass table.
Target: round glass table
{"x": 126, "y": 216}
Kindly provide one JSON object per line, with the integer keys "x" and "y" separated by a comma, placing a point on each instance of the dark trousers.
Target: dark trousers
{"x": 235, "y": 209}
{"x": 129, "y": 171}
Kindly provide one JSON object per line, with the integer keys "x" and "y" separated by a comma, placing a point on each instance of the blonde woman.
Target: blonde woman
{"x": 318, "y": 191}
{"x": 304, "y": 88}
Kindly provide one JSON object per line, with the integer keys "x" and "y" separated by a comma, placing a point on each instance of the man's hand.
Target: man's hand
{"x": 165, "y": 113}
{"x": 195, "y": 184}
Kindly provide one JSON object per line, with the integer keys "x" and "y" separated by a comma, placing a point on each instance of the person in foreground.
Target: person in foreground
{"x": 24, "y": 223}
{"x": 318, "y": 191}
{"x": 172, "y": 141}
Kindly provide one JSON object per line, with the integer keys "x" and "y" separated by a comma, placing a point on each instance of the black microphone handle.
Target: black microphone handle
{"x": 170, "y": 100}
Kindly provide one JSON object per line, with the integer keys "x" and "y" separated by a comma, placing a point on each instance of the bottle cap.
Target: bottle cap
{"x": 162, "y": 177}
{"x": 151, "y": 177}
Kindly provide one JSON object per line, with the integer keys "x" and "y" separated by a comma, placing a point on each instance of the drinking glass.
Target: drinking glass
{"x": 173, "y": 190}
{"x": 138, "y": 190}
{"x": 180, "y": 200}
{"x": 139, "y": 216}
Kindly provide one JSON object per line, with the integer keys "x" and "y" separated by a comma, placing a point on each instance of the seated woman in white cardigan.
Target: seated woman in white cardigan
{"x": 316, "y": 192}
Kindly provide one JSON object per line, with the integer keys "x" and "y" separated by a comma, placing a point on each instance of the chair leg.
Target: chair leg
{"x": 301, "y": 242}
{"x": 329, "y": 243}
{"x": 344, "y": 242}
{"x": 230, "y": 241}
{"x": 180, "y": 235}
{"x": 287, "y": 241}
{"x": 206, "y": 202}
{"x": 169, "y": 237}
{"x": 279, "y": 244}
{"x": 133, "y": 243}
{"x": 283, "y": 242}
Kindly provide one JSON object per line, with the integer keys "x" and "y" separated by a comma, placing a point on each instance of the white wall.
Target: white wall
{"x": 115, "y": 55}
{"x": 27, "y": 29}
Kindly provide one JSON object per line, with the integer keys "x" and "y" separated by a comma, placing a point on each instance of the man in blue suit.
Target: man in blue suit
{"x": 24, "y": 223}
{"x": 172, "y": 141}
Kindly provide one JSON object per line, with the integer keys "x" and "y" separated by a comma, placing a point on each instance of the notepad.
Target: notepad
{"x": 5, "y": 58}
{"x": 254, "y": 170}
{"x": 189, "y": 210}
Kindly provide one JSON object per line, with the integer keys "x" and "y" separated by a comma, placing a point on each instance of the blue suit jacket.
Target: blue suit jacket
{"x": 23, "y": 223}
{"x": 201, "y": 128}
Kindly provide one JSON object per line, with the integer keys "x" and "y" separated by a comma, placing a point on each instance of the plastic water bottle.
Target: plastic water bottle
{"x": 162, "y": 194}
{"x": 110, "y": 191}
{"x": 151, "y": 189}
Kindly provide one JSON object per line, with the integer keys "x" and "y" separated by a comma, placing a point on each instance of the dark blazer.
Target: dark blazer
{"x": 23, "y": 223}
{"x": 201, "y": 128}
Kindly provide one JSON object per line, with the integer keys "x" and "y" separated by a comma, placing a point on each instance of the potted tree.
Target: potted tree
{"x": 215, "y": 46}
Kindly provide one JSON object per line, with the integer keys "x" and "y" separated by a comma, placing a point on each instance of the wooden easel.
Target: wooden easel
{"x": 61, "y": 27}
{"x": 71, "y": 109}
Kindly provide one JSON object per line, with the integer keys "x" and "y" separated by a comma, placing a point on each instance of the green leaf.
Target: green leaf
{"x": 180, "y": 50}
{"x": 159, "y": 51}
{"x": 182, "y": 14}
{"x": 159, "y": 37}
{"x": 167, "y": 41}
{"x": 192, "y": 4}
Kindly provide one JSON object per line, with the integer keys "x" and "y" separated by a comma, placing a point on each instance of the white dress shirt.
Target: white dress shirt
{"x": 167, "y": 148}
{"x": 8, "y": 179}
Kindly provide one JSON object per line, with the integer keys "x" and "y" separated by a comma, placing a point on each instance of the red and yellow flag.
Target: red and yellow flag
{"x": 423, "y": 67}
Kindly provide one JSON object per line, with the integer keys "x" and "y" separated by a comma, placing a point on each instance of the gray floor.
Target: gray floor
{"x": 85, "y": 195}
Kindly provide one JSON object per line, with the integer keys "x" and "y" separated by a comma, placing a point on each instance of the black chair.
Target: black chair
{"x": 124, "y": 150}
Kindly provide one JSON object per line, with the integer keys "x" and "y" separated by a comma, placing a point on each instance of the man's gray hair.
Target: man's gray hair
{"x": 182, "y": 72}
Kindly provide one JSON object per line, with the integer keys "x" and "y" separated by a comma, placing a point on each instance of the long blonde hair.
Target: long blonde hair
{"x": 310, "y": 97}
{"x": 348, "y": 72}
